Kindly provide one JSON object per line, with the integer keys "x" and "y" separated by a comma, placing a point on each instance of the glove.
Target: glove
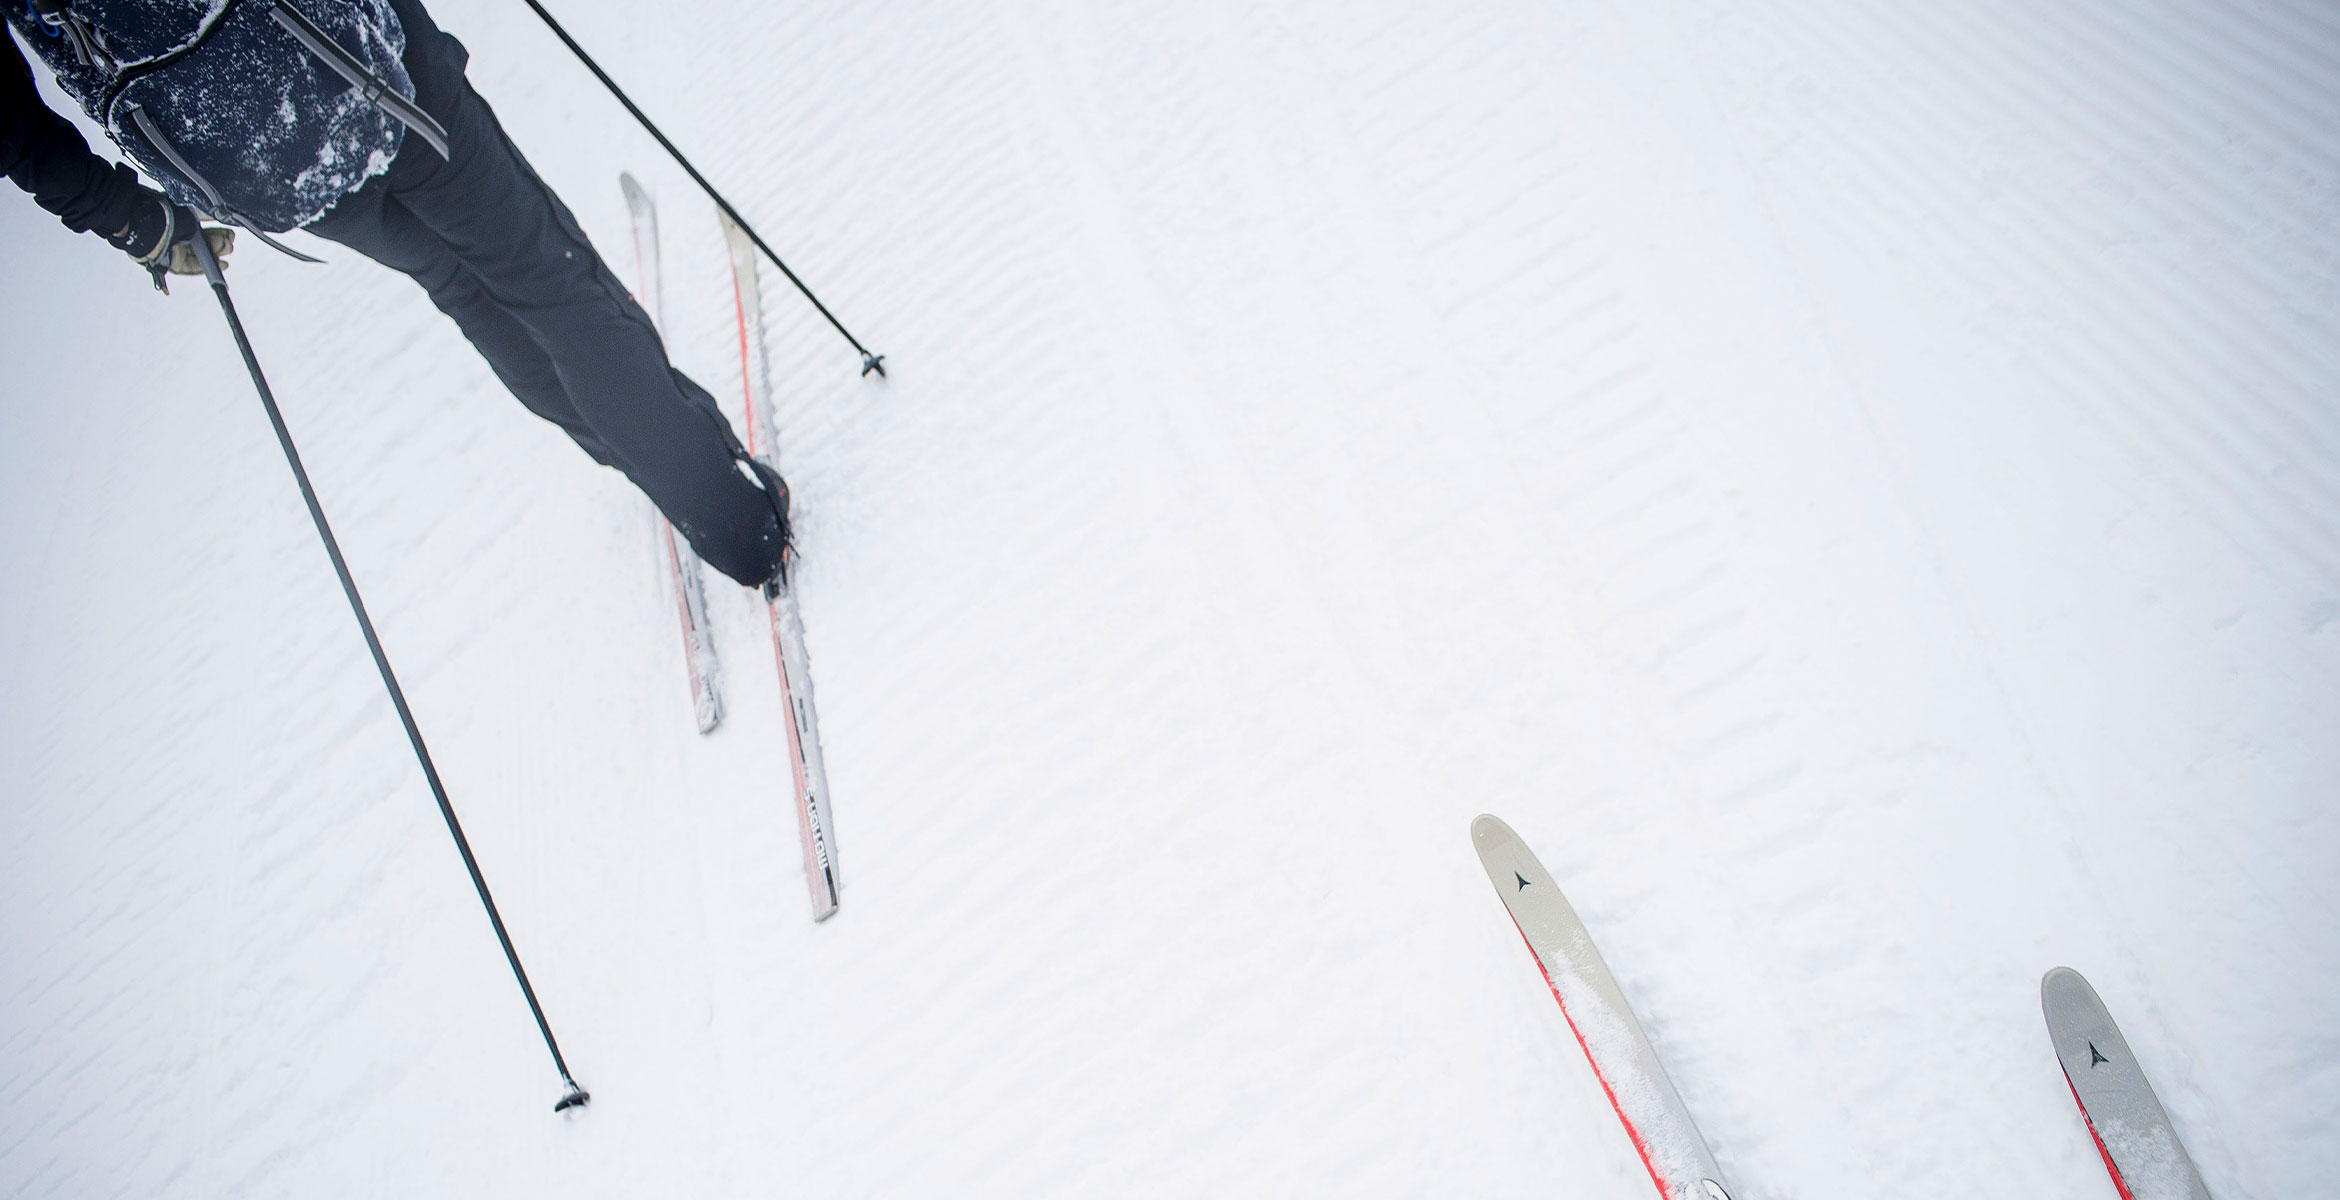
{"x": 161, "y": 238}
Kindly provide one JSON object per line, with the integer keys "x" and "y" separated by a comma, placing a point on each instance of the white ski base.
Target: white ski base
{"x": 681, "y": 563}
{"x": 1596, "y": 1011}
{"x": 2133, "y": 1133}
{"x": 808, "y": 773}
{"x": 690, "y": 603}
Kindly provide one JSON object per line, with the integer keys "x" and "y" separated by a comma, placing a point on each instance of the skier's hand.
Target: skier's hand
{"x": 182, "y": 259}
{"x": 161, "y": 238}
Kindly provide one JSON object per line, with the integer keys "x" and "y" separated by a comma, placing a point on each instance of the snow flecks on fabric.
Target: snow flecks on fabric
{"x": 277, "y": 133}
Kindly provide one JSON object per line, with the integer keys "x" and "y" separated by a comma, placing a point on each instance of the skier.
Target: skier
{"x": 352, "y": 119}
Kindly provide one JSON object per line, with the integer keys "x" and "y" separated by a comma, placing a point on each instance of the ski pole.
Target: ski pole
{"x": 573, "y": 1096}
{"x": 869, "y": 362}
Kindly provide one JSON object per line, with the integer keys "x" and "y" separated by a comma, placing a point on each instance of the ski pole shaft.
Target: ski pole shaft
{"x": 573, "y": 1095}
{"x": 869, "y": 362}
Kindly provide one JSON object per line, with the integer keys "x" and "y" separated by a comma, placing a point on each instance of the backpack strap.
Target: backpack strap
{"x": 219, "y": 209}
{"x": 406, "y": 112}
{"x": 59, "y": 21}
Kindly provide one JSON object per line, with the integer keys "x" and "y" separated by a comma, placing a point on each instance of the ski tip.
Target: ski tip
{"x": 1488, "y": 829}
{"x": 2068, "y": 983}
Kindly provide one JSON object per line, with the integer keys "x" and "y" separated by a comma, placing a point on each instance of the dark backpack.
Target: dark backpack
{"x": 260, "y": 112}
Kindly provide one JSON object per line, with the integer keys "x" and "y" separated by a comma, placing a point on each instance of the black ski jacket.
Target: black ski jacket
{"x": 47, "y": 157}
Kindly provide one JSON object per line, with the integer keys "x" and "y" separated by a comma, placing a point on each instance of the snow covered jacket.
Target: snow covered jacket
{"x": 222, "y": 103}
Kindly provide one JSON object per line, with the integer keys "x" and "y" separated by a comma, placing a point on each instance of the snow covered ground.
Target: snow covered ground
{"x": 1854, "y": 484}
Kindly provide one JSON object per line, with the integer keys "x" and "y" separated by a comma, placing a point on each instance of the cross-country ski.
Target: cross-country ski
{"x": 1665, "y": 1137}
{"x": 2132, "y": 1132}
{"x": 680, "y": 562}
{"x": 808, "y": 774}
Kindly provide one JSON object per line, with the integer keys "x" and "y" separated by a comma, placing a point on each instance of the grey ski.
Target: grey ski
{"x": 806, "y": 768}
{"x": 681, "y": 562}
{"x": 2133, "y": 1134}
{"x": 1622, "y": 1059}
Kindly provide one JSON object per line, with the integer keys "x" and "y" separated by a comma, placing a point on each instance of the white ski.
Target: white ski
{"x": 811, "y": 778}
{"x": 2133, "y": 1134}
{"x": 1622, "y": 1060}
{"x": 682, "y": 563}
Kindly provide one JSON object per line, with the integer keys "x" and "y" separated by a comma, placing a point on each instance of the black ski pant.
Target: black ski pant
{"x": 498, "y": 252}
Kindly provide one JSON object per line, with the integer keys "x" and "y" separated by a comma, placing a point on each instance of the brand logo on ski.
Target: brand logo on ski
{"x": 1522, "y": 880}
{"x": 2094, "y": 1057}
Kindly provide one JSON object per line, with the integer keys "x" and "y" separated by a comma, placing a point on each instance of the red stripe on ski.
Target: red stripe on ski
{"x": 818, "y": 876}
{"x": 747, "y": 386}
{"x": 1640, "y": 1147}
{"x": 2109, "y": 1167}
{"x": 813, "y": 872}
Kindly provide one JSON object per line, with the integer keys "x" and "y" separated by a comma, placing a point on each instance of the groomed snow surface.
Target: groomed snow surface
{"x": 1853, "y": 484}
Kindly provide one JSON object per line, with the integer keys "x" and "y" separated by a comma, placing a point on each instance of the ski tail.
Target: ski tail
{"x": 808, "y": 773}
{"x": 690, "y": 603}
{"x": 681, "y": 563}
{"x": 1639, "y": 1091}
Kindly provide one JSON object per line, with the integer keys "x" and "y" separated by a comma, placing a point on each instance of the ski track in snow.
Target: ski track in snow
{"x": 1851, "y": 485}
